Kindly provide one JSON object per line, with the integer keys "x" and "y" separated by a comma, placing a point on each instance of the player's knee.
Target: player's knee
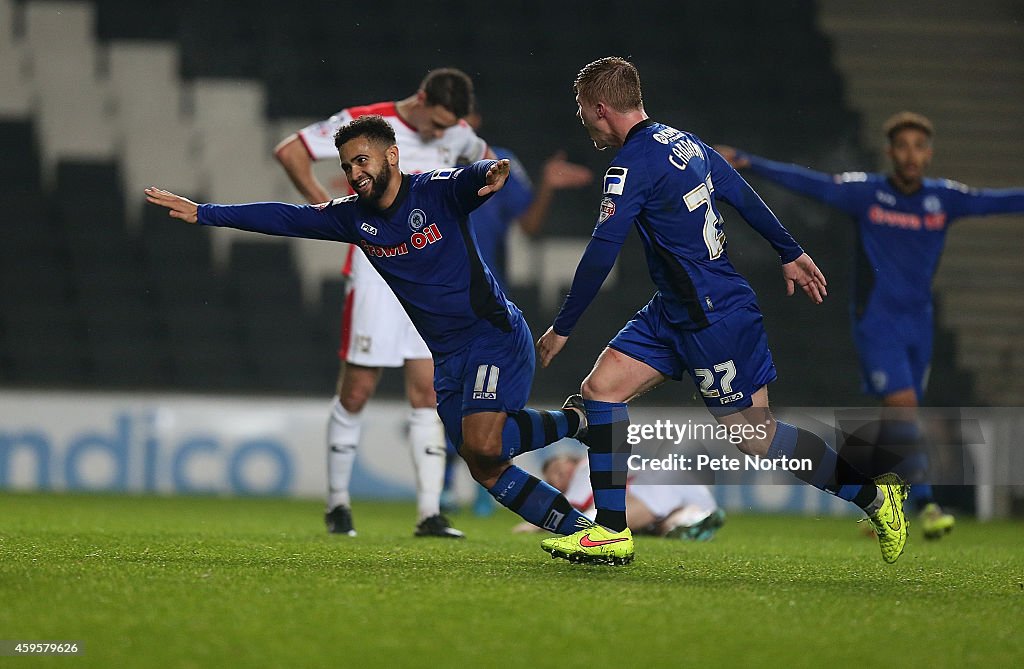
{"x": 480, "y": 451}
{"x": 754, "y": 446}
{"x": 756, "y": 441}
{"x": 484, "y": 465}
{"x": 421, "y": 398}
{"x": 595, "y": 388}
{"x": 354, "y": 398}
{"x": 357, "y": 387}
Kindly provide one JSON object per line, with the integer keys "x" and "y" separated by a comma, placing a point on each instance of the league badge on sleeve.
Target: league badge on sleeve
{"x": 607, "y": 210}
{"x": 615, "y": 180}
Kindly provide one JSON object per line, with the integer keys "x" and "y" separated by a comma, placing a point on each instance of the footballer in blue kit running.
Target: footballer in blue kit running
{"x": 703, "y": 320}
{"x": 902, "y": 219}
{"x": 517, "y": 203}
{"x": 414, "y": 230}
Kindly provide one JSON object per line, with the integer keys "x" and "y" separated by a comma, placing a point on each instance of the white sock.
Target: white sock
{"x": 343, "y": 432}
{"x": 426, "y": 437}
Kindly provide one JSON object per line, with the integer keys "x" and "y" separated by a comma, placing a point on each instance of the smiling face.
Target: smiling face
{"x": 910, "y": 151}
{"x": 369, "y": 166}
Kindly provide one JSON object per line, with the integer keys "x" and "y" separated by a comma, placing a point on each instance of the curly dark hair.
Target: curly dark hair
{"x": 372, "y": 126}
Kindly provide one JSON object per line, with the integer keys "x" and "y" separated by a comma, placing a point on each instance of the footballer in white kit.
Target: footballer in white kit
{"x": 376, "y": 331}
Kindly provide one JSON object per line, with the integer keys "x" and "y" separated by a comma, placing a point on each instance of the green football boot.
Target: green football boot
{"x": 936, "y": 523}
{"x": 890, "y": 522}
{"x": 593, "y": 545}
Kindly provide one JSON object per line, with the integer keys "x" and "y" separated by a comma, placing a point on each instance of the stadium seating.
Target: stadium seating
{"x": 195, "y": 96}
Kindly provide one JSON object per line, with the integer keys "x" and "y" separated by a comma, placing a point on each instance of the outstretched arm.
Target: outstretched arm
{"x": 818, "y": 185}
{"x": 967, "y": 201}
{"x": 178, "y": 206}
{"x": 473, "y": 185}
{"x": 270, "y": 218}
{"x": 494, "y": 178}
{"x": 738, "y": 160}
{"x": 596, "y": 263}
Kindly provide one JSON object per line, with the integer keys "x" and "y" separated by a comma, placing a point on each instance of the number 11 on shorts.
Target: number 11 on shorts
{"x": 486, "y": 386}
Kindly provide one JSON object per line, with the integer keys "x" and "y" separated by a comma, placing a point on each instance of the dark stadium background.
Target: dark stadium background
{"x": 90, "y": 305}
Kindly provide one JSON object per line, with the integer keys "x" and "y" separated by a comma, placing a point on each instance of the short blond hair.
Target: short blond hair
{"x": 904, "y": 120}
{"x": 612, "y": 80}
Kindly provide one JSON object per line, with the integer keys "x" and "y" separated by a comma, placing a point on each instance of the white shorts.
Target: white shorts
{"x": 375, "y": 330}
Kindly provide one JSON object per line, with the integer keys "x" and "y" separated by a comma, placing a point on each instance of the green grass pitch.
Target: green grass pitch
{"x": 208, "y": 582}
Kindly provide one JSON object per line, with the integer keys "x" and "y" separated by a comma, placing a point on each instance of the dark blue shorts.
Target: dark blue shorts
{"x": 494, "y": 372}
{"x": 895, "y": 352}
{"x": 729, "y": 360}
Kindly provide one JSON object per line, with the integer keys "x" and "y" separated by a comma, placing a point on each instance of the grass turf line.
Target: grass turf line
{"x": 209, "y": 582}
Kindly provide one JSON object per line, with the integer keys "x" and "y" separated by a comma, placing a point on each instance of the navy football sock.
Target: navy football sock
{"x": 902, "y": 450}
{"x": 537, "y": 502}
{"x": 829, "y": 470}
{"x": 530, "y": 429}
{"x": 607, "y": 424}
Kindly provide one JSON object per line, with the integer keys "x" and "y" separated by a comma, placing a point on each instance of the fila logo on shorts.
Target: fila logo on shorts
{"x": 486, "y": 386}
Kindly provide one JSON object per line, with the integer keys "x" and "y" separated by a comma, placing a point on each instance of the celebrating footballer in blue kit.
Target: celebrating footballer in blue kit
{"x": 414, "y": 231}
{"x": 703, "y": 320}
{"x": 902, "y": 219}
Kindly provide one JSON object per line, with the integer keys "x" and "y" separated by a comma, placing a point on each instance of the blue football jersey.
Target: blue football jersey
{"x": 900, "y": 237}
{"x": 665, "y": 183}
{"x": 490, "y": 223}
{"x": 421, "y": 245}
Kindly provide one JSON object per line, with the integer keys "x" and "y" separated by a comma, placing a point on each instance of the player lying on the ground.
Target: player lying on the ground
{"x": 414, "y": 231}
{"x": 655, "y": 503}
